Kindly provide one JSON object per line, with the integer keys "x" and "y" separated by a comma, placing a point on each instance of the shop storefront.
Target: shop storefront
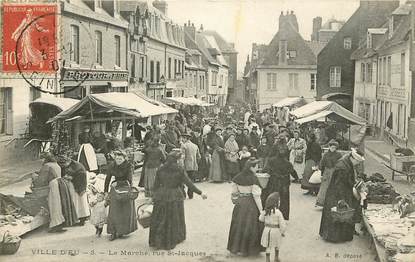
{"x": 78, "y": 83}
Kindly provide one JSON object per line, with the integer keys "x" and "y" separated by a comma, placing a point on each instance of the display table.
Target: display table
{"x": 22, "y": 228}
{"x": 393, "y": 237}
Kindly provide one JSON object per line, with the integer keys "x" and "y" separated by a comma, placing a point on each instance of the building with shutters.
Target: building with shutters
{"x": 289, "y": 66}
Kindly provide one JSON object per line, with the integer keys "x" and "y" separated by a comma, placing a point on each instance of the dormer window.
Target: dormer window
{"x": 98, "y": 3}
{"x": 347, "y": 43}
{"x": 369, "y": 40}
{"x": 390, "y": 27}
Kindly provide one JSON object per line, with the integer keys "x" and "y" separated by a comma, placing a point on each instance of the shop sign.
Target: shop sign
{"x": 87, "y": 75}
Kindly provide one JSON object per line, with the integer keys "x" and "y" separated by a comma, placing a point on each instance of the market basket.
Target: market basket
{"x": 263, "y": 179}
{"x": 342, "y": 213}
{"x": 10, "y": 244}
{"x": 143, "y": 216}
{"x": 134, "y": 192}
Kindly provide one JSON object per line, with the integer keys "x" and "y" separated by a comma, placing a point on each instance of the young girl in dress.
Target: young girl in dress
{"x": 244, "y": 155}
{"x": 98, "y": 210}
{"x": 274, "y": 226}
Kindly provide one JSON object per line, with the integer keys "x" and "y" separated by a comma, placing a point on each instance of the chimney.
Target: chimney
{"x": 281, "y": 20}
{"x": 190, "y": 30}
{"x": 201, "y": 28}
{"x": 292, "y": 18}
{"x": 161, "y": 5}
{"x": 282, "y": 59}
{"x": 317, "y": 21}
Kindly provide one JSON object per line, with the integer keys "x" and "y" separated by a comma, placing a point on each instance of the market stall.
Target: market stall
{"x": 111, "y": 113}
{"x": 332, "y": 114}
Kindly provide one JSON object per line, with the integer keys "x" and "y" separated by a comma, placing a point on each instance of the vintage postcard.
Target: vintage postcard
{"x": 207, "y": 130}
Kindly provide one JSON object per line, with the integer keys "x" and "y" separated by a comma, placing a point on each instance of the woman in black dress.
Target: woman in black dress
{"x": 121, "y": 215}
{"x": 312, "y": 159}
{"x": 245, "y": 232}
{"x": 279, "y": 169}
{"x": 340, "y": 188}
{"x": 168, "y": 226}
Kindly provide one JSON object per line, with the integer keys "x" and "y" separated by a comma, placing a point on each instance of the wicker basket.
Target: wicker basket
{"x": 342, "y": 215}
{"x": 9, "y": 248}
{"x": 143, "y": 221}
{"x": 263, "y": 179}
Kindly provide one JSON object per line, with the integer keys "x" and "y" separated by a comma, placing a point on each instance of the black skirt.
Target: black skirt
{"x": 246, "y": 230}
{"x": 168, "y": 226}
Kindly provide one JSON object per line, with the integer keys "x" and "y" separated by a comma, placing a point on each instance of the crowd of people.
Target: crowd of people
{"x": 231, "y": 146}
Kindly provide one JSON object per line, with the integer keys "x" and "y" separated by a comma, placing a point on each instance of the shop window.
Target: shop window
{"x": 117, "y": 40}
{"x": 98, "y": 89}
{"x": 6, "y": 116}
{"x": 74, "y": 44}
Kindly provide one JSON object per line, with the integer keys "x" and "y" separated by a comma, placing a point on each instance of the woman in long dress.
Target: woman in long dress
{"x": 168, "y": 226}
{"x": 279, "y": 169}
{"x": 217, "y": 172}
{"x": 297, "y": 147}
{"x": 75, "y": 175}
{"x": 231, "y": 155}
{"x": 340, "y": 188}
{"x": 121, "y": 214}
{"x": 312, "y": 160}
{"x": 245, "y": 231}
{"x": 154, "y": 156}
{"x": 327, "y": 164}
{"x": 51, "y": 174}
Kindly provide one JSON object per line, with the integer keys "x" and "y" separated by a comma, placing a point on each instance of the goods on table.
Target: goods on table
{"x": 380, "y": 193}
{"x": 393, "y": 233}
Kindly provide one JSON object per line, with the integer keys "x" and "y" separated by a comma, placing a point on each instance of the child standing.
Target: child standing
{"x": 98, "y": 211}
{"x": 274, "y": 226}
{"x": 244, "y": 155}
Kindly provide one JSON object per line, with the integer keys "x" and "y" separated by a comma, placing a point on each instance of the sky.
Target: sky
{"x": 244, "y": 22}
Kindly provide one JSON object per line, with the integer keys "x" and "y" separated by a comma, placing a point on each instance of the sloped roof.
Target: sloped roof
{"x": 224, "y": 46}
{"x": 315, "y": 46}
{"x": 404, "y": 9}
{"x": 128, "y": 6}
{"x": 304, "y": 56}
{"x": 59, "y": 102}
{"x": 203, "y": 46}
{"x": 400, "y": 33}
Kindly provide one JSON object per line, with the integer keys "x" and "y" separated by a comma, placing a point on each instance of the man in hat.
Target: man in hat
{"x": 85, "y": 137}
{"x": 170, "y": 138}
{"x": 254, "y": 137}
{"x": 228, "y": 130}
{"x": 270, "y": 133}
{"x": 341, "y": 188}
{"x": 191, "y": 157}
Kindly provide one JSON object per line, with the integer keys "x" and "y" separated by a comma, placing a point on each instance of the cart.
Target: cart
{"x": 402, "y": 166}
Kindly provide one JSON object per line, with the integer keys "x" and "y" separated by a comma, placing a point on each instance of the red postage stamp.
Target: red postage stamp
{"x": 29, "y": 38}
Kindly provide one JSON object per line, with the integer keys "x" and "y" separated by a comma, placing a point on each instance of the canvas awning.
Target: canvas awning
{"x": 192, "y": 101}
{"x": 320, "y": 110}
{"x": 290, "y": 101}
{"x": 59, "y": 102}
{"x": 129, "y": 104}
